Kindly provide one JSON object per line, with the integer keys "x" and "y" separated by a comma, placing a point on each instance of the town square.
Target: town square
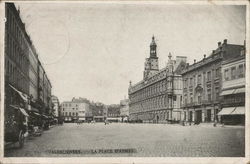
{"x": 86, "y": 79}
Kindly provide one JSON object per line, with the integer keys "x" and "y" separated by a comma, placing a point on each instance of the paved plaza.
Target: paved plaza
{"x": 134, "y": 140}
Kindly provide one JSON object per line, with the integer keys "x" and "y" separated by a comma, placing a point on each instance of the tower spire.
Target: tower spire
{"x": 153, "y": 47}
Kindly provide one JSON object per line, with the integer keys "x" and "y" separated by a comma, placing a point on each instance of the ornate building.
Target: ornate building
{"x": 157, "y": 98}
{"x": 233, "y": 90}
{"x": 202, "y": 83}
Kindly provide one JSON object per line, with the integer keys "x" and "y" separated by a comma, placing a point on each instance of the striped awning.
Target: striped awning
{"x": 238, "y": 111}
{"x": 22, "y": 95}
{"x": 227, "y": 92}
{"x": 232, "y": 111}
{"x": 226, "y": 111}
{"x": 23, "y": 111}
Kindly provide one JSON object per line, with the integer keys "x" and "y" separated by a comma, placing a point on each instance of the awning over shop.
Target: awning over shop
{"x": 238, "y": 111}
{"x": 81, "y": 118}
{"x": 227, "y": 92}
{"x": 21, "y": 109}
{"x": 22, "y": 95}
{"x": 98, "y": 116}
{"x": 112, "y": 118}
{"x": 240, "y": 90}
{"x": 226, "y": 111}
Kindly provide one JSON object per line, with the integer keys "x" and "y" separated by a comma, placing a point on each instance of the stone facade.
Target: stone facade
{"x": 202, "y": 84}
{"x": 77, "y": 109}
{"x": 233, "y": 90}
{"x": 158, "y": 96}
{"x": 22, "y": 66}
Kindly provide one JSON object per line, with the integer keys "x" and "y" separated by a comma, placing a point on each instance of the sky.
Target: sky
{"x": 93, "y": 50}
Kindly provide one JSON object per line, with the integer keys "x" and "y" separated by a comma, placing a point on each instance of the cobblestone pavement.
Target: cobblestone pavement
{"x": 135, "y": 140}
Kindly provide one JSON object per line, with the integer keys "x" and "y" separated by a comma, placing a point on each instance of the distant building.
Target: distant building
{"x": 233, "y": 90}
{"x": 157, "y": 98}
{"x": 124, "y": 109}
{"x": 56, "y": 106}
{"x": 202, "y": 84}
{"x": 99, "y": 111}
{"x": 74, "y": 110}
{"x": 113, "y": 113}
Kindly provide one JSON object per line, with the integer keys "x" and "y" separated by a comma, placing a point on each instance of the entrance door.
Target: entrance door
{"x": 198, "y": 116}
{"x": 209, "y": 115}
{"x": 190, "y": 116}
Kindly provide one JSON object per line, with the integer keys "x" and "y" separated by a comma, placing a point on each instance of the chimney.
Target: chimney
{"x": 204, "y": 56}
{"x": 219, "y": 44}
{"x": 225, "y": 41}
{"x": 194, "y": 61}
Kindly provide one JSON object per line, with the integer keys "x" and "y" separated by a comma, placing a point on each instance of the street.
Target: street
{"x": 135, "y": 140}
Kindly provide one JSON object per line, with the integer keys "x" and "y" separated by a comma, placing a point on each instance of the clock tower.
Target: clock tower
{"x": 151, "y": 64}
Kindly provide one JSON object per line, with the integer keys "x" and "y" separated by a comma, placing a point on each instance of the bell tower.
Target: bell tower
{"x": 153, "y": 47}
{"x": 151, "y": 64}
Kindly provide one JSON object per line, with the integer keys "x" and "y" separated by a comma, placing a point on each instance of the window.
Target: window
{"x": 73, "y": 113}
{"x": 199, "y": 79}
{"x": 199, "y": 99}
{"x": 194, "y": 80}
{"x": 209, "y": 96}
{"x": 69, "y": 113}
{"x": 174, "y": 98}
{"x": 217, "y": 73}
{"x": 66, "y": 113}
{"x": 226, "y": 74}
{"x": 191, "y": 82}
{"x": 217, "y": 93}
{"x": 209, "y": 76}
{"x": 241, "y": 71}
{"x": 233, "y": 72}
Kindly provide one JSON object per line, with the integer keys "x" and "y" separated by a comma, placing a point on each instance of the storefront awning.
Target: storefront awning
{"x": 22, "y": 95}
{"x": 226, "y": 111}
{"x": 227, "y": 92}
{"x": 240, "y": 90}
{"x": 238, "y": 111}
{"x": 81, "y": 118}
{"x": 21, "y": 109}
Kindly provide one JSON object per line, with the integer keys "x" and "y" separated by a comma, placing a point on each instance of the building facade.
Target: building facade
{"x": 202, "y": 84}
{"x": 22, "y": 68}
{"x": 233, "y": 90}
{"x": 157, "y": 98}
{"x": 124, "y": 109}
{"x": 113, "y": 113}
{"x": 56, "y": 106}
{"x": 77, "y": 109}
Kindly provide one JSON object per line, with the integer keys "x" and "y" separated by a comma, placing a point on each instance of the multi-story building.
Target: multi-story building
{"x": 22, "y": 69}
{"x": 56, "y": 106}
{"x": 124, "y": 109}
{"x": 77, "y": 109}
{"x": 22, "y": 64}
{"x": 113, "y": 113}
{"x": 157, "y": 98}
{"x": 202, "y": 83}
{"x": 99, "y": 111}
{"x": 233, "y": 90}
{"x": 17, "y": 48}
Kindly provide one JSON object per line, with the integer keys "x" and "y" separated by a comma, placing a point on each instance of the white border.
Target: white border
{"x": 108, "y": 160}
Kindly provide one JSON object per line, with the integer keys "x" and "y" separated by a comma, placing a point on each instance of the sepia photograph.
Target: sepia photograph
{"x": 94, "y": 79}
